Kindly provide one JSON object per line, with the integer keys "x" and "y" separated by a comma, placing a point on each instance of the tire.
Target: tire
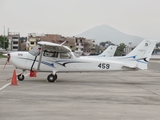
{"x": 20, "y": 77}
{"x": 52, "y": 78}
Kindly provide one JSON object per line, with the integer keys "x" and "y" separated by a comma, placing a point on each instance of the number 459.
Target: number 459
{"x": 104, "y": 66}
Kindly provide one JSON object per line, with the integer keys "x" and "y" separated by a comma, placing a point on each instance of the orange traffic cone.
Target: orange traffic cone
{"x": 14, "y": 78}
{"x": 33, "y": 74}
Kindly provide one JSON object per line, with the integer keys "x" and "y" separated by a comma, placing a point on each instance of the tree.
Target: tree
{"x": 97, "y": 49}
{"x": 109, "y": 42}
{"x": 106, "y": 43}
{"x": 120, "y": 49}
{"x": 102, "y": 44}
{"x": 3, "y": 42}
{"x": 157, "y": 45}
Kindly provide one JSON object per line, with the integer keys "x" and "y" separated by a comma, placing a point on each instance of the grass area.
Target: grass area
{"x": 1, "y": 56}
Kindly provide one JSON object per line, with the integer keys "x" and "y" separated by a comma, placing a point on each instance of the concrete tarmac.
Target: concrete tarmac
{"x": 131, "y": 95}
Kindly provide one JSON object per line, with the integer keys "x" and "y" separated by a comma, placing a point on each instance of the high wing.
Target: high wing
{"x": 54, "y": 47}
{"x": 130, "y": 66}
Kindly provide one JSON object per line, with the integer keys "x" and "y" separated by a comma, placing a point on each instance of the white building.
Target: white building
{"x": 79, "y": 45}
{"x": 33, "y": 38}
{"x": 13, "y": 39}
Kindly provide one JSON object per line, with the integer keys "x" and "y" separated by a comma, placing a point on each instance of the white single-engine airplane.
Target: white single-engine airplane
{"x": 57, "y": 58}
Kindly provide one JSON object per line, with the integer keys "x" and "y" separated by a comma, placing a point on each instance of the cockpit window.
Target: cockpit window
{"x": 65, "y": 55}
{"x": 50, "y": 54}
{"x": 60, "y": 55}
{"x": 35, "y": 51}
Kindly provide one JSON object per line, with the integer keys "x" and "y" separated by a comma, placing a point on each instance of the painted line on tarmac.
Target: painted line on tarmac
{"x": 5, "y": 86}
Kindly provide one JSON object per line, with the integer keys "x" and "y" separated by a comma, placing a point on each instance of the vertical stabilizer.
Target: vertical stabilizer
{"x": 142, "y": 53}
{"x": 109, "y": 52}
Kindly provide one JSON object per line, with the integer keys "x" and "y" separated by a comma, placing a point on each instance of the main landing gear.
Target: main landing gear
{"x": 52, "y": 78}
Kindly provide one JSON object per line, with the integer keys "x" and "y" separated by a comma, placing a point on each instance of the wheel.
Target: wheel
{"x": 52, "y": 78}
{"x": 20, "y": 77}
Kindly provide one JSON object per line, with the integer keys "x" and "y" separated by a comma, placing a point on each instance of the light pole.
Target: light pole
{"x": 4, "y": 39}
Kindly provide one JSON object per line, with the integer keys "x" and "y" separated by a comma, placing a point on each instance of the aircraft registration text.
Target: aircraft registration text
{"x": 104, "y": 66}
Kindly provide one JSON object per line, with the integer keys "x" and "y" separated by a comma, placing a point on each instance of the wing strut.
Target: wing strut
{"x": 40, "y": 58}
{"x": 33, "y": 62}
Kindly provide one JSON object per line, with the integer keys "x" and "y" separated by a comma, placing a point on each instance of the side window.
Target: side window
{"x": 50, "y": 54}
{"x": 65, "y": 55}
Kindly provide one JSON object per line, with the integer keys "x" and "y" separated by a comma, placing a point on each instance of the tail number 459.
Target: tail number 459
{"x": 104, "y": 66}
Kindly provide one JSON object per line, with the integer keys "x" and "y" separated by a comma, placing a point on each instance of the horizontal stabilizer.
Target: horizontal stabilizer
{"x": 130, "y": 68}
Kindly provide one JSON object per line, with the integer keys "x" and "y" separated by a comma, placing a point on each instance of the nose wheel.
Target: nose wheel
{"x": 52, "y": 78}
{"x": 20, "y": 77}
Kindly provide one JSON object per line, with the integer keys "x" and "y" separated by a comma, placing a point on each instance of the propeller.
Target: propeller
{"x": 8, "y": 58}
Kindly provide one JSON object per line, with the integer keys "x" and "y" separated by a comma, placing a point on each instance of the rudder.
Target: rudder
{"x": 142, "y": 53}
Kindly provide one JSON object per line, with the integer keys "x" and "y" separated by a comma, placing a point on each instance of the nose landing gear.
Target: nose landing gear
{"x": 20, "y": 77}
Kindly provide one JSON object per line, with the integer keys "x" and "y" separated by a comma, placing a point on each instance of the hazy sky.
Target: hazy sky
{"x": 71, "y": 17}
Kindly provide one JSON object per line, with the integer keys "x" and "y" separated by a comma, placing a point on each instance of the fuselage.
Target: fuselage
{"x": 24, "y": 60}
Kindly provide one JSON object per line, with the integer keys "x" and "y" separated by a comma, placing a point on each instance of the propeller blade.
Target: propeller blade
{"x": 8, "y": 58}
{"x": 11, "y": 77}
{"x": 5, "y": 65}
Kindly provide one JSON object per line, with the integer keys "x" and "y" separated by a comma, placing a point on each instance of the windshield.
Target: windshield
{"x": 35, "y": 51}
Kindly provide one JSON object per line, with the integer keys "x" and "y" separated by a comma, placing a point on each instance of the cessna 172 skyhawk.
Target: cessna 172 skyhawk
{"x": 57, "y": 58}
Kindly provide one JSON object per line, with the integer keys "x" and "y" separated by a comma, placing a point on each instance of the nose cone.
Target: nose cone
{"x": 18, "y": 59}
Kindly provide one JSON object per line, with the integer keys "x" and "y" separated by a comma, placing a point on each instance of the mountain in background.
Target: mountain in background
{"x": 105, "y": 33}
